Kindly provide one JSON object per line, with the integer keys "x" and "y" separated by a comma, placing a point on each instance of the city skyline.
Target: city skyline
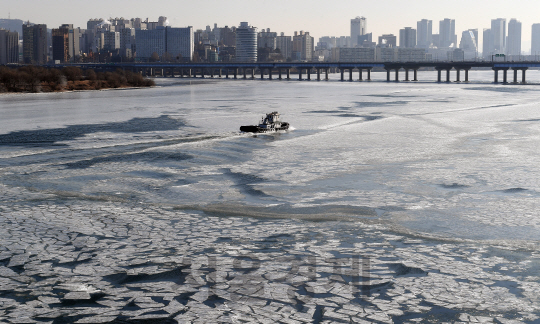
{"x": 316, "y": 17}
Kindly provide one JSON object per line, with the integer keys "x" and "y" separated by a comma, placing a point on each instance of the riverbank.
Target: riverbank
{"x": 40, "y": 79}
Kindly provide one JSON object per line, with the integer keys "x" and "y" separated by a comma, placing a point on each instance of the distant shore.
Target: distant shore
{"x": 33, "y": 79}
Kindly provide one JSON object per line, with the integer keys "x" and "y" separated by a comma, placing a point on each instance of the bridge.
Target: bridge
{"x": 306, "y": 69}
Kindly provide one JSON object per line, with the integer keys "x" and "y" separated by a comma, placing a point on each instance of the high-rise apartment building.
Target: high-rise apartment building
{"x": 177, "y": 42}
{"x": 469, "y": 40}
{"x": 407, "y": 37}
{"x": 35, "y": 46}
{"x": 284, "y": 44}
{"x": 358, "y": 28}
{"x": 424, "y": 33}
{"x": 447, "y": 33}
{"x": 535, "y": 40}
{"x": 498, "y": 35}
{"x": 303, "y": 46}
{"x": 487, "y": 46}
{"x": 267, "y": 39}
{"x": 513, "y": 44}
{"x": 9, "y": 47}
{"x": 65, "y": 43}
{"x": 246, "y": 43}
{"x": 387, "y": 40}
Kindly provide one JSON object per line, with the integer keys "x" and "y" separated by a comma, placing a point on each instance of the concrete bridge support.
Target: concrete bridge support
{"x": 235, "y": 70}
{"x": 262, "y": 73}
{"x": 318, "y": 74}
{"x": 415, "y": 74}
{"x": 326, "y": 74}
{"x": 369, "y": 74}
{"x": 467, "y": 75}
{"x": 270, "y": 73}
{"x": 279, "y": 74}
{"x": 342, "y": 71}
{"x": 406, "y": 74}
{"x": 288, "y": 74}
{"x": 439, "y": 75}
{"x": 359, "y": 74}
{"x": 300, "y": 74}
{"x": 457, "y": 75}
{"x": 350, "y": 74}
{"x": 448, "y": 74}
{"x": 308, "y": 71}
{"x": 522, "y": 74}
{"x": 397, "y": 75}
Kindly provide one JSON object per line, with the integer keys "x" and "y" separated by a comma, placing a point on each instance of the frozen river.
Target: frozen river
{"x": 385, "y": 202}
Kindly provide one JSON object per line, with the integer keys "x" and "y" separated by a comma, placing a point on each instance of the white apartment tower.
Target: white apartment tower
{"x": 498, "y": 35}
{"x": 358, "y": 28}
{"x": 513, "y": 45}
{"x": 246, "y": 43}
{"x": 447, "y": 33}
{"x": 424, "y": 33}
{"x": 535, "y": 40}
{"x": 407, "y": 37}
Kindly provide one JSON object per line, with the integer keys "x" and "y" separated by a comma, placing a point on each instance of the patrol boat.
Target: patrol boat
{"x": 270, "y": 123}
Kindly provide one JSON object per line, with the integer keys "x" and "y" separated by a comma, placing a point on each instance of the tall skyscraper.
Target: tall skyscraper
{"x": 487, "y": 47}
{"x": 469, "y": 40}
{"x": 303, "y": 46}
{"x": 447, "y": 33}
{"x": 407, "y": 37}
{"x": 387, "y": 40}
{"x": 284, "y": 43}
{"x": 9, "y": 47}
{"x": 35, "y": 47}
{"x": 498, "y": 34}
{"x": 65, "y": 43}
{"x": 424, "y": 33}
{"x": 246, "y": 43}
{"x": 177, "y": 42}
{"x": 513, "y": 46}
{"x": 358, "y": 28}
{"x": 535, "y": 40}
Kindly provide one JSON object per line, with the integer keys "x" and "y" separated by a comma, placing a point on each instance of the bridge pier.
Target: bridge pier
{"x": 359, "y": 74}
{"x": 262, "y": 73}
{"x": 300, "y": 74}
{"x": 415, "y": 74}
{"x": 350, "y": 74}
{"x": 270, "y": 73}
{"x": 288, "y": 73}
{"x": 466, "y": 75}
{"x": 505, "y": 73}
{"x": 279, "y": 73}
{"x": 342, "y": 71}
{"x": 308, "y": 71}
{"x": 448, "y": 75}
{"x": 318, "y": 74}
{"x": 523, "y": 75}
{"x": 326, "y": 72}
{"x": 202, "y": 73}
{"x": 397, "y": 74}
{"x": 235, "y": 70}
{"x": 496, "y": 78}
{"x": 439, "y": 75}
{"x": 369, "y": 74}
{"x": 457, "y": 75}
{"x": 406, "y": 74}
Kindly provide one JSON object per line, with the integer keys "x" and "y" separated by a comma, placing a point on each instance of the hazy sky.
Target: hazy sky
{"x": 319, "y": 17}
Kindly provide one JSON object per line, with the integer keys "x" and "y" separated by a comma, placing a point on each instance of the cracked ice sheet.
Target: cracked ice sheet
{"x": 107, "y": 261}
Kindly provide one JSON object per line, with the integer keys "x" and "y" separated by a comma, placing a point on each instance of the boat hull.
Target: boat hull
{"x": 257, "y": 129}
